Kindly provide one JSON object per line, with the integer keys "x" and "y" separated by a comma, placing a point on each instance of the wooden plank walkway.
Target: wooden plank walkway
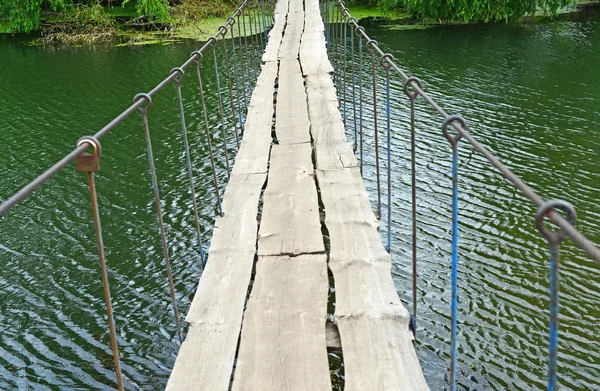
{"x": 275, "y": 337}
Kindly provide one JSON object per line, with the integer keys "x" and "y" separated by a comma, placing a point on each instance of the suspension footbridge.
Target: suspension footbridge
{"x": 283, "y": 342}
{"x": 295, "y": 267}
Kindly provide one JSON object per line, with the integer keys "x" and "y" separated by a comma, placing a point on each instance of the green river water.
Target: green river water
{"x": 530, "y": 92}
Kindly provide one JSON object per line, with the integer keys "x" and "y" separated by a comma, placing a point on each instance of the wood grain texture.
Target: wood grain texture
{"x": 291, "y": 119}
{"x": 215, "y": 316}
{"x": 276, "y": 33}
{"x": 290, "y": 221}
{"x": 327, "y": 128}
{"x": 253, "y": 155}
{"x": 283, "y": 344}
{"x": 290, "y": 44}
{"x": 372, "y": 322}
{"x": 205, "y": 360}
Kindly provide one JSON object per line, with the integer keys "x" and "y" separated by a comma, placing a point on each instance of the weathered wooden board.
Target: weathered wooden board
{"x": 215, "y": 317}
{"x": 372, "y": 322}
{"x": 291, "y": 119}
{"x": 283, "y": 344}
{"x": 290, "y": 222}
{"x": 313, "y": 50}
{"x": 290, "y": 44}
{"x": 253, "y": 155}
{"x": 276, "y": 33}
{"x": 327, "y": 128}
{"x": 206, "y": 358}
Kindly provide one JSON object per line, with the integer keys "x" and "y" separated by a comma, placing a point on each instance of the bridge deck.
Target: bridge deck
{"x": 275, "y": 338}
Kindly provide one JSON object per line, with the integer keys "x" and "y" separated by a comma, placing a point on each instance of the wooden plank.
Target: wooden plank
{"x": 291, "y": 119}
{"x": 372, "y": 322}
{"x": 290, "y": 44}
{"x": 327, "y": 128}
{"x": 206, "y": 357}
{"x": 313, "y": 53}
{"x": 205, "y": 360}
{"x": 276, "y": 33}
{"x": 253, "y": 155}
{"x": 283, "y": 344}
{"x": 290, "y": 220}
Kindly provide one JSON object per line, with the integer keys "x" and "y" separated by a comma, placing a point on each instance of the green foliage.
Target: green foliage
{"x": 475, "y": 10}
{"x": 158, "y": 9}
{"x": 23, "y": 16}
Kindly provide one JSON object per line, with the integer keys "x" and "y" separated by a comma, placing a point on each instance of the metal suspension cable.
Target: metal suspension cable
{"x": 566, "y": 225}
{"x": 578, "y": 238}
{"x": 208, "y": 138}
{"x": 360, "y": 97}
{"x": 389, "y": 151}
{"x": 344, "y": 36}
{"x": 241, "y": 61}
{"x": 163, "y": 233}
{"x": 188, "y": 161}
{"x": 230, "y": 88}
{"x": 224, "y": 133}
{"x": 413, "y": 171}
{"x": 353, "y": 90}
{"x": 370, "y": 44}
{"x": 20, "y": 195}
{"x": 247, "y": 55}
{"x": 236, "y": 80}
{"x": 554, "y": 240}
{"x": 91, "y": 164}
{"x": 453, "y": 140}
{"x": 252, "y": 43}
{"x": 264, "y": 21}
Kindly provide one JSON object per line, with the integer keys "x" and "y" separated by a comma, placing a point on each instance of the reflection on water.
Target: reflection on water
{"x": 529, "y": 92}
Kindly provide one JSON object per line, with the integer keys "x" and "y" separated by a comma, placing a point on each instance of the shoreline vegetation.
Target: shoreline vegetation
{"x": 126, "y": 22}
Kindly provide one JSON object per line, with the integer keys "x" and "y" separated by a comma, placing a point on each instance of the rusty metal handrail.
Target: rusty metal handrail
{"x": 24, "y": 192}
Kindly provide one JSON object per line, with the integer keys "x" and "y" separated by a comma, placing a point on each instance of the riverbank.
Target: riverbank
{"x": 123, "y": 28}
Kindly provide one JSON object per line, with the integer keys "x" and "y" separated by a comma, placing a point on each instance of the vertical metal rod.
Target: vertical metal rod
{"x": 454, "y": 265}
{"x": 333, "y": 55}
{"x": 360, "y": 97}
{"x": 554, "y": 240}
{"x": 413, "y": 166}
{"x": 252, "y": 43}
{"x": 225, "y": 146}
{"x": 260, "y": 32}
{"x": 453, "y": 140}
{"x": 241, "y": 61}
{"x": 389, "y": 158}
{"x": 375, "y": 129}
{"x": 553, "y": 333}
{"x": 188, "y": 161}
{"x": 208, "y": 138}
{"x": 327, "y": 27}
{"x": 354, "y": 94}
{"x": 230, "y": 88}
{"x": 159, "y": 212}
{"x": 237, "y": 81}
{"x": 105, "y": 283}
{"x": 264, "y": 22}
{"x": 343, "y": 49}
{"x": 246, "y": 55}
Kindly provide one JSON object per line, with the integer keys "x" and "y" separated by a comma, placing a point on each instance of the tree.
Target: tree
{"x": 475, "y": 10}
{"x": 23, "y": 16}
